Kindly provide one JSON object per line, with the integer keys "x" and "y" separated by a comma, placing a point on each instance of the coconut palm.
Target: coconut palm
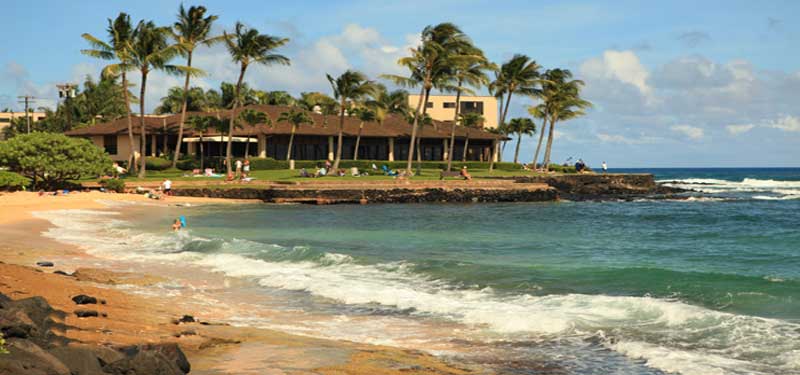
{"x": 320, "y": 103}
{"x": 275, "y": 98}
{"x": 519, "y": 75}
{"x": 428, "y": 63}
{"x": 191, "y": 29}
{"x": 248, "y": 47}
{"x": 149, "y": 51}
{"x": 201, "y": 124}
{"x": 472, "y": 120}
{"x": 295, "y": 116}
{"x": 521, "y": 126}
{"x": 364, "y": 114}
{"x": 471, "y": 72}
{"x": 120, "y": 35}
{"x": 175, "y": 99}
{"x": 539, "y": 111}
{"x": 562, "y": 101}
{"x": 348, "y": 87}
{"x": 383, "y": 102}
{"x": 251, "y": 118}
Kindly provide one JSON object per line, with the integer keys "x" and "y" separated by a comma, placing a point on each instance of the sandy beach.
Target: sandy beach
{"x": 140, "y": 318}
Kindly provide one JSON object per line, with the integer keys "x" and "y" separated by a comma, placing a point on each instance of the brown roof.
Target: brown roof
{"x": 393, "y": 126}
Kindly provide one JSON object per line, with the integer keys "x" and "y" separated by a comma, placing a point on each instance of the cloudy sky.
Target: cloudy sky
{"x": 674, "y": 83}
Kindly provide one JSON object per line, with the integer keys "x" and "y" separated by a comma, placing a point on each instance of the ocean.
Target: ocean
{"x": 704, "y": 285}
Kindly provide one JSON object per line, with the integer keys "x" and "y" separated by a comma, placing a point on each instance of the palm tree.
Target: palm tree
{"x": 521, "y": 126}
{"x": 192, "y": 29}
{"x": 428, "y": 63}
{"x": 518, "y": 75}
{"x": 251, "y": 118}
{"x": 562, "y": 102}
{"x": 539, "y": 112}
{"x": 248, "y": 47}
{"x": 275, "y": 98}
{"x": 350, "y": 86}
{"x": 296, "y": 117}
{"x": 150, "y": 51}
{"x": 471, "y": 72}
{"x": 176, "y": 99}
{"x": 120, "y": 35}
{"x": 364, "y": 114}
{"x": 472, "y": 120}
{"x": 201, "y": 124}
{"x": 383, "y": 102}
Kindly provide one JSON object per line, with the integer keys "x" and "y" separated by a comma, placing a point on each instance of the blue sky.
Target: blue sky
{"x": 677, "y": 83}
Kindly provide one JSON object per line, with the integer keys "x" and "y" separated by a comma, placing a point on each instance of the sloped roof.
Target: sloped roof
{"x": 393, "y": 126}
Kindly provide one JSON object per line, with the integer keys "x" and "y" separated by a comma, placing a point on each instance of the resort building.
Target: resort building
{"x": 443, "y": 107}
{"x": 6, "y": 118}
{"x": 379, "y": 141}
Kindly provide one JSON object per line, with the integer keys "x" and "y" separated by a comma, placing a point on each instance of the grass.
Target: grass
{"x": 287, "y": 175}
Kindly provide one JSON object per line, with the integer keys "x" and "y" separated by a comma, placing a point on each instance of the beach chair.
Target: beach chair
{"x": 388, "y": 171}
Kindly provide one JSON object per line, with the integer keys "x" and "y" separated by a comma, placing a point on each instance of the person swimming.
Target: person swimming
{"x": 176, "y": 226}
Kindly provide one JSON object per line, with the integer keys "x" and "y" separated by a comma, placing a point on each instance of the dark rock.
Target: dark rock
{"x": 187, "y": 319}
{"x": 29, "y": 318}
{"x": 102, "y": 301}
{"x": 143, "y": 362}
{"x": 106, "y": 355}
{"x": 25, "y": 357}
{"x": 80, "y": 360}
{"x": 62, "y": 273}
{"x": 83, "y": 299}
{"x": 86, "y": 313}
{"x": 19, "y": 330}
{"x": 174, "y": 353}
{"x": 44, "y": 264}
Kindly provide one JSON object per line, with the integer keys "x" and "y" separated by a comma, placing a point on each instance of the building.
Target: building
{"x": 443, "y": 107}
{"x": 6, "y": 118}
{"x": 387, "y": 141}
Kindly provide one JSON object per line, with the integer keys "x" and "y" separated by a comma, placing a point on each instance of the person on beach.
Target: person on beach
{"x": 465, "y": 174}
{"x": 328, "y": 164}
{"x": 176, "y": 226}
{"x": 246, "y": 168}
{"x": 166, "y": 187}
{"x": 605, "y": 167}
{"x": 118, "y": 170}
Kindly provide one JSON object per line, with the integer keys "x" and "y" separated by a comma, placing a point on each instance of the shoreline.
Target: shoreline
{"x": 135, "y": 319}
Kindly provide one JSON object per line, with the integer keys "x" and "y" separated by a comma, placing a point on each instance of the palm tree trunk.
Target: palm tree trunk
{"x": 201, "y": 152}
{"x": 453, "y": 130}
{"x": 247, "y": 147}
{"x": 466, "y": 146}
{"x": 539, "y": 146}
{"x": 422, "y": 126}
{"x": 516, "y": 152}
{"x": 143, "y": 164}
{"x": 291, "y": 142}
{"x": 183, "y": 114}
{"x": 411, "y": 144}
{"x": 502, "y": 121}
{"x": 549, "y": 142}
{"x": 132, "y": 156}
{"x": 358, "y": 140}
{"x": 341, "y": 131}
{"x": 229, "y": 148}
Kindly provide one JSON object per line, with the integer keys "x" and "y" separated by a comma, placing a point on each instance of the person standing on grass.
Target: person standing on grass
{"x": 238, "y": 167}
{"x": 605, "y": 167}
{"x": 246, "y": 168}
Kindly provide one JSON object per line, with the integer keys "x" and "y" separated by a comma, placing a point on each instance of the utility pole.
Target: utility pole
{"x": 66, "y": 91}
{"x": 27, "y": 99}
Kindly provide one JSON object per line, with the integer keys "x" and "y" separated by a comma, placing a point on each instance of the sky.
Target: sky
{"x": 673, "y": 83}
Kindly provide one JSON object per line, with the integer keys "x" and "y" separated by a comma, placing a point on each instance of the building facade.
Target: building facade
{"x": 6, "y": 118}
{"x": 443, "y": 107}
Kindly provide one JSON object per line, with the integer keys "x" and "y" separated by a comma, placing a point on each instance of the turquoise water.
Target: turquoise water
{"x": 709, "y": 285}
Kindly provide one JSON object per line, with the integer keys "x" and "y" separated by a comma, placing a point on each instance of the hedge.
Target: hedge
{"x": 157, "y": 164}
{"x": 12, "y": 181}
{"x": 115, "y": 185}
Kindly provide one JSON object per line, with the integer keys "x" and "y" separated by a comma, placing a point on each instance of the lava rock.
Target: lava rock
{"x": 187, "y": 319}
{"x": 86, "y": 313}
{"x": 45, "y": 264}
{"x": 79, "y": 360}
{"x": 83, "y": 299}
{"x": 62, "y": 273}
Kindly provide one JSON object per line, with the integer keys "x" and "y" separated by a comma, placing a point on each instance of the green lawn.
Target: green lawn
{"x": 293, "y": 175}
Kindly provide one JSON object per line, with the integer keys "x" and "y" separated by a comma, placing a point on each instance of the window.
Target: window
{"x": 429, "y": 104}
{"x": 110, "y": 144}
{"x": 472, "y": 107}
{"x": 5, "y": 120}
{"x": 449, "y": 104}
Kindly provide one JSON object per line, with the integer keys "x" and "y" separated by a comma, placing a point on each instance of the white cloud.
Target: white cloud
{"x": 617, "y": 138}
{"x": 739, "y": 129}
{"x": 787, "y": 123}
{"x": 692, "y": 132}
{"x": 622, "y": 66}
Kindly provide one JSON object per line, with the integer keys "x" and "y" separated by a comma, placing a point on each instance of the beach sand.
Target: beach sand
{"x": 133, "y": 318}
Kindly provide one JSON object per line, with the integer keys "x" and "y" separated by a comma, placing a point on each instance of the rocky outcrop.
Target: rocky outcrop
{"x": 31, "y": 328}
{"x": 386, "y": 195}
{"x": 603, "y": 186}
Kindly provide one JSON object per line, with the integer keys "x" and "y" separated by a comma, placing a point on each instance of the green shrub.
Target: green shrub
{"x": 50, "y": 160}
{"x": 158, "y": 164}
{"x": 188, "y": 164}
{"x": 562, "y": 169}
{"x": 12, "y": 181}
{"x": 115, "y": 185}
{"x": 267, "y": 164}
{"x": 3, "y": 349}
